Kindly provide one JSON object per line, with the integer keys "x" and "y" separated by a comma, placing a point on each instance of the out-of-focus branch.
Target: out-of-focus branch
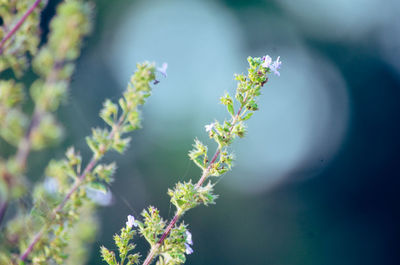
{"x": 18, "y": 25}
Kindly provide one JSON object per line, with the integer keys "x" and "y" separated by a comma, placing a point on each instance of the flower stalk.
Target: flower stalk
{"x": 47, "y": 92}
{"x": 178, "y": 215}
{"x": 101, "y": 142}
{"x": 171, "y": 242}
{"x": 18, "y": 24}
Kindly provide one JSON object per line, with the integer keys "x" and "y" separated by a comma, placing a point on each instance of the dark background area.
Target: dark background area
{"x": 336, "y": 204}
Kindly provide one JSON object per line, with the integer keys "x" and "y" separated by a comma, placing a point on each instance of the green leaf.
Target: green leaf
{"x": 121, "y": 144}
{"x": 98, "y": 186}
{"x": 123, "y": 105}
{"x": 231, "y": 110}
{"x": 92, "y": 144}
{"x": 248, "y": 116}
{"x": 128, "y": 128}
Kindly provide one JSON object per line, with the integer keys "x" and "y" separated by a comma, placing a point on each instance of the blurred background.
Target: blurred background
{"x": 315, "y": 179}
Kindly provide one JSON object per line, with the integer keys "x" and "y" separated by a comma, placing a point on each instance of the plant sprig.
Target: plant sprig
{"x": 62, "y": 205}
{"x": 171, "y": 242}
{"x": 19, "y": 33}
{"x": 48, "y": 91}
{"x": 67, "y": 172}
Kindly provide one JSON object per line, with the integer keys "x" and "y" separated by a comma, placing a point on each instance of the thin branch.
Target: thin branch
{"x": 18, "y": 25}
{"x": 33, "y": 243}
{"x": 205, "y": 173}
{"x": 73, "y": 189}
{"x": 7, "y": 178}
{"x": 25, "y": 144}
{"x": 3, "y": 209}
{"x": 178, "y": 215}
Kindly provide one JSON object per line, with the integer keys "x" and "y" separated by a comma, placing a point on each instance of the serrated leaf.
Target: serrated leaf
{"x": 92, "y": 144}
{"x": 121, "y": 145}
{"x": 248, "y": 116}
{"x": 106, "y": 118}
{"x": 128, "y": 128}
{"x": 98, "y": 186}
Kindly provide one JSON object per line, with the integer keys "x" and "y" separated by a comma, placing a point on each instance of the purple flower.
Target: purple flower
{"x": 189, "y": 238}
{"x": 209, "y": 127}
{"x": 188, "y": 249}
{"x": 275, "y": 66}
{"x": 163, "y": 69}
{"x": 188, "y": 242}
{"x": 51, "y": 185}
{"x": 131, "y": 222}
{"x": 267, "y": 61}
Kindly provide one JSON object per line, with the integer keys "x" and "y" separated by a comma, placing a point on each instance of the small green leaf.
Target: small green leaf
{"x": 231, "y": 110}
{"x": 98, "y": 186}
{"x": 128, "y": 128}
{"x": 248, "y": 116}
{"x": 92, "y": 144}
{"x": 123, "y": 105}
{"x": 121, "y": 144}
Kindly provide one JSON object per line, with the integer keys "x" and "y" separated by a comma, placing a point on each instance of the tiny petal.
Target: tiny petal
{"x": 209, "y": 127}
{"x": 276, "y": 72}
{"x": 275, "y": 66}
{"x": 167, "y": 259}
{"x": 51, "y": 185}
{"x": 267, "y": 61}
{"x": 99, "y": 197}
{"x": 188, "y": 249}
{"x": 163, "y": 69}
{"x": 131, "y": 222}
{"x": 189, "y": 238}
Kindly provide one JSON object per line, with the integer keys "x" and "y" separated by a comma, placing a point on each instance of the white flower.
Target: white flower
{"x": 188, "y": 250}
{"x": 131, "y": 222}
{"x": 275, "y": 66}
{"x": 163, "y": 69}
{"x": 267, "y": 61}
{"x": 189, "y": 238}
{"x": 209, "y": 127}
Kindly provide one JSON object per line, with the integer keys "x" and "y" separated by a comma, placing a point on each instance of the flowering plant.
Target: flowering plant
{"x": 169, "y": 243}
{"x": 49, "y": 232}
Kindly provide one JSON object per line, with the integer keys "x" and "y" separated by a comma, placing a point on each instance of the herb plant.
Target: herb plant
{"x": 50, "y": 230}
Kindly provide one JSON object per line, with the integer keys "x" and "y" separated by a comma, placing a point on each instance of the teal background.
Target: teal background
{"x": 316, "y": 178}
